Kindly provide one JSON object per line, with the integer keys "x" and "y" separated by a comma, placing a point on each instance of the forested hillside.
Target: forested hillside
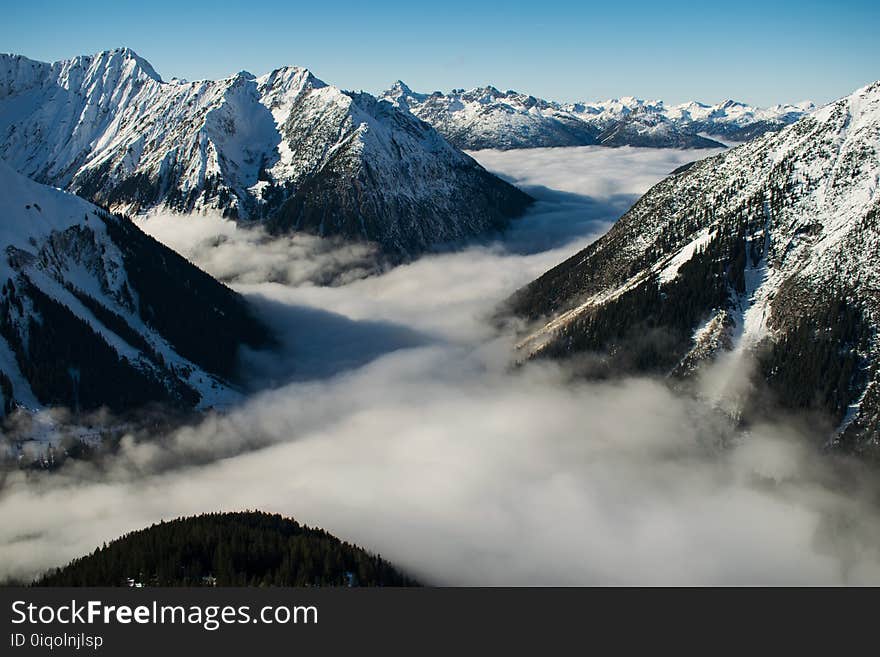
{"x": 248, "y": 548}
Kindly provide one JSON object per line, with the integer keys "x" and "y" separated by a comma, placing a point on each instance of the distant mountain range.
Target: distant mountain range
{"x": 284, "y": 148}
{"x": 94, "y": 313}
{"x": 770, "y": 250}
{"x": 488, "y": 118}
{"x": 295, "y": 153}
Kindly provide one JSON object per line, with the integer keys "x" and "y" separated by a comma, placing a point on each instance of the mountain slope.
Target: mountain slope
{"x": 651, "y": 129}
{"x": 488, "y": 118}
{"x": 95, "y": 313}
{"x": 393, "y": 180}
{"x": 770, "y": 249}
{"x": 228, "y": 549}
{"x": 284, "y": 147}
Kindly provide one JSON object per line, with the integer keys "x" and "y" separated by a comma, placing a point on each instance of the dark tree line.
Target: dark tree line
{"x": 229, "y": 549}
{"x": 67, "y": 364}
{"x": 650, "y": 327}
{"x": 818, "y": 360}
{"x": 185, "y": 304}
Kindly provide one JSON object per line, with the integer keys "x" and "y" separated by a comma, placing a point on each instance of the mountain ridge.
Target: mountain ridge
{"x": 767, "y": 250}
{"x": 94, "y": 313}
{"x": 254, "y": 148}
{"x": 485, "y": 117}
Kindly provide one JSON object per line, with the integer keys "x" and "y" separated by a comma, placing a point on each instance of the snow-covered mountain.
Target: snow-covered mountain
{"x": 95, "y": 313}
{"x": 488, "y": 118}
{"x": 735, "y": 121}
{"x": 651, "y": 129}
{"x": 285, "y": 148}
{"x": 771, "y": 250}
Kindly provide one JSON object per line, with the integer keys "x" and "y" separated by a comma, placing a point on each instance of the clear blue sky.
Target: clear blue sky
{"x": 762, "y": 52}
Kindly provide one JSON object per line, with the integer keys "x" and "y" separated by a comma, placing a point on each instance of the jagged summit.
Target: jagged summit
{"x": 284, "y": 147}
{"x": 400, "y": 87}
{"x": 119, "y": 61}
{"x": 769, "y": 249}
{"x": 487, "y": 93}
{"x": 127, "y": 54}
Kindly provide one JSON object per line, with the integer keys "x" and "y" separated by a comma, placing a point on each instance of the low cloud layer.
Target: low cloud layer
{"x": 400, "y": 425}
{"x": 237, "y": 254}
{"x": 592, "y": 171}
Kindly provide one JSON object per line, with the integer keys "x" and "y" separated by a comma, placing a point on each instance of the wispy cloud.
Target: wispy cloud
{"x": 236, "y": 254}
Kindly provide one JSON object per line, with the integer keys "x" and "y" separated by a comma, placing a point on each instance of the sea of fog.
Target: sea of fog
{"x": 391, "y": 417}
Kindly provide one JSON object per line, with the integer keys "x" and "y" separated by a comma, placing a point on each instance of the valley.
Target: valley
{"x": 483, "y": 474}
{"x": 493, "y": 338}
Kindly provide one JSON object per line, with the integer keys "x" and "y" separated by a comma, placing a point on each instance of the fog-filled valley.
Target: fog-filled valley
{"x": 393, "y": 414}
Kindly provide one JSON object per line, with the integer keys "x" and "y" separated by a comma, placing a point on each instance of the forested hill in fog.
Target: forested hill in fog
{"x": 228, "y": 549}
